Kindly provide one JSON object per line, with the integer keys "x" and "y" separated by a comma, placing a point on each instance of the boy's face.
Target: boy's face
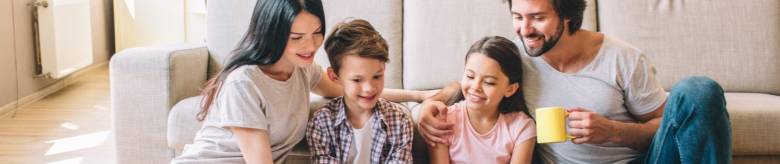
{"x": 363, "y": 80}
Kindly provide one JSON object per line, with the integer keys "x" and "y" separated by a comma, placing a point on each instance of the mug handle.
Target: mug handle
{"x": 566, "y": 115}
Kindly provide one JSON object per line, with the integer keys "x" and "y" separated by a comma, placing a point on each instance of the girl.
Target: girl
{"x": 492, "y": 124}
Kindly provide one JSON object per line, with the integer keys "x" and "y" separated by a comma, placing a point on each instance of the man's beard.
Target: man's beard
{"x": 546, "y": 45}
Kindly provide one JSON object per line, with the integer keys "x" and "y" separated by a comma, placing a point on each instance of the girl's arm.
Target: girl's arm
{"x": 523, "y": 152}
{"x": 440, "y": 153}
{"x": 254, "y": 144}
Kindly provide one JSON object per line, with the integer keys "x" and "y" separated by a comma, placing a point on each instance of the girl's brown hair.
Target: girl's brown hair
{"x": 506, "y": 53}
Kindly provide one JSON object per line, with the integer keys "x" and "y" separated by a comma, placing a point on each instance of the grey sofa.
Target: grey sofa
{"x": 735, "y": 43}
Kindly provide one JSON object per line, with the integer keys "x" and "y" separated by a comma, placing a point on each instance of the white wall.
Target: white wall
{"x": 195, "y": 20}
{"x": 148, "y": 22}
{"x": 8, "y": 85}
{"x": 17, "y": 59}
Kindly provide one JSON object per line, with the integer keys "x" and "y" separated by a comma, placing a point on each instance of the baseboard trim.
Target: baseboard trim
{"x": 9, "y": 109}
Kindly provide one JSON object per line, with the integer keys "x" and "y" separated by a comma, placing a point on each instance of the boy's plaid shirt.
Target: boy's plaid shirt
{"x": 329, "y": 134}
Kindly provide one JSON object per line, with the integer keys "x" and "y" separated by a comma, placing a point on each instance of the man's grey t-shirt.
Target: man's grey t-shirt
{"x": 249, "y": 98}
{"x": 619, "y": 84}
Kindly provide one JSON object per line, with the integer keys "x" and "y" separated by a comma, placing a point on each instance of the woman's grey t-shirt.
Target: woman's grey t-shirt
{"x": 619, "y": 83}
{"x": 249, "y": 98}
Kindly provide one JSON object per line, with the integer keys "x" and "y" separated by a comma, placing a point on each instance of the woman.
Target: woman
{"x": 252, "y": 110}
{"x": 255, "y": 110}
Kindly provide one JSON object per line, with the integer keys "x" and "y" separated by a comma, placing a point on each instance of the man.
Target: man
{"x": 618, "y": 111}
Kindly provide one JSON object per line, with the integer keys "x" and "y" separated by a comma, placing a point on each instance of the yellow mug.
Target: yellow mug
{"x": 551, "y": 125}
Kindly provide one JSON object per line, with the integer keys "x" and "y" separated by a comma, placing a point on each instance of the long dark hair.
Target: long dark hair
{"x": 264, "y": 41}
{"x": 506, "y": 53}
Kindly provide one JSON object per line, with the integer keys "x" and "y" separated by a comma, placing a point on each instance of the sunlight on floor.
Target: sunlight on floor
{"x": 69, "y": 125}
{"x": 77, "y": 142}
{"x": 76, "y": 160}
{"x": 101, "y": 107}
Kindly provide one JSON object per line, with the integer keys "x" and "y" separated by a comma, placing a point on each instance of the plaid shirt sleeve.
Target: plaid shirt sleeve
{"x": 318, "y": 136}
{"x": 401, "y": 135}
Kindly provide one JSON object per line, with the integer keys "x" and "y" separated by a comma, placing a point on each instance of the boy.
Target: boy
{"x": 359, "y": 127}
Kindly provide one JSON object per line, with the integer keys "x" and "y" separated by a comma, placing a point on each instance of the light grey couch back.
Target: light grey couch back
{"x": 737, "y": 43}
{"x": 384, "y": 15}
{"x": 437, "y": 35}
{"x": 226, "y": 23}
{"x": 228, "y": 20}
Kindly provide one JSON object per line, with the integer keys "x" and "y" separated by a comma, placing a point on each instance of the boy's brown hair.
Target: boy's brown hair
{"x": 355, "y": 37}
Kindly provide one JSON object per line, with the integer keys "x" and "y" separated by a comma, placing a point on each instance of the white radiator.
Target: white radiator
{"x": 65, "y": 36}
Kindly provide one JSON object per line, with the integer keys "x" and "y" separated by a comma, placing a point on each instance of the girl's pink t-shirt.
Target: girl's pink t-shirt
{"x": 495, "y": 146}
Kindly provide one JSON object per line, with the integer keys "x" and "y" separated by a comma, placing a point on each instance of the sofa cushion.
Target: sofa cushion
{"x": 437, "y": 35}
{"x": 755, "y": 120}
{"x": 736, "y": 44}
{"x": 385, "y": 15}
{"x": 183, "y": 123}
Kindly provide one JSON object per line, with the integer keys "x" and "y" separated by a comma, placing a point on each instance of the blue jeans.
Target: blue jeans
{"x": 695, "y": 126}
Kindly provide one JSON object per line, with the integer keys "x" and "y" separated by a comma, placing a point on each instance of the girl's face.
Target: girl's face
{"x": 484, "y": 85}
{"x": 305, "y": 37}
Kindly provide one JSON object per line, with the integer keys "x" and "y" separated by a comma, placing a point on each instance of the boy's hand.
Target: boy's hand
{"x": 433, "y": 125}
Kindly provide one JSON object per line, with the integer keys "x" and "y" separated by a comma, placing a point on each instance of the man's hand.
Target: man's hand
{"x": 433, "y": 125}
{"x": 590, "y": 127}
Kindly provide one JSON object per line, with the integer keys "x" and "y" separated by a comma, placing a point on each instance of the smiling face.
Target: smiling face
{"x": 537, "y": 25}
{"x": 305, "y": 37}
{"x": 363, "y": 80}
{"x": 484, "y": 85}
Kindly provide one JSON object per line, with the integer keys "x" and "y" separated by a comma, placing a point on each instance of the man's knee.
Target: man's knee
{"x": 702, "y": 92}
{"x": 698, "y": 87}
{"x": 697, "y": 83}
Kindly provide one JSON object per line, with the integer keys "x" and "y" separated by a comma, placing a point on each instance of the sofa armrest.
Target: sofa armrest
{"x": 145, "y": 83}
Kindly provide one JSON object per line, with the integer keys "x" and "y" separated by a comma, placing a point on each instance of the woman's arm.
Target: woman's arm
{"x": 254, "y": 144}
{"x": 400, "y": 95}
{"x": 327, "y": 86}
{"x": 523, "y": 152}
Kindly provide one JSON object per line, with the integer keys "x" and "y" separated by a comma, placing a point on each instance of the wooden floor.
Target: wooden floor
{"x": 72, "y": 125}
